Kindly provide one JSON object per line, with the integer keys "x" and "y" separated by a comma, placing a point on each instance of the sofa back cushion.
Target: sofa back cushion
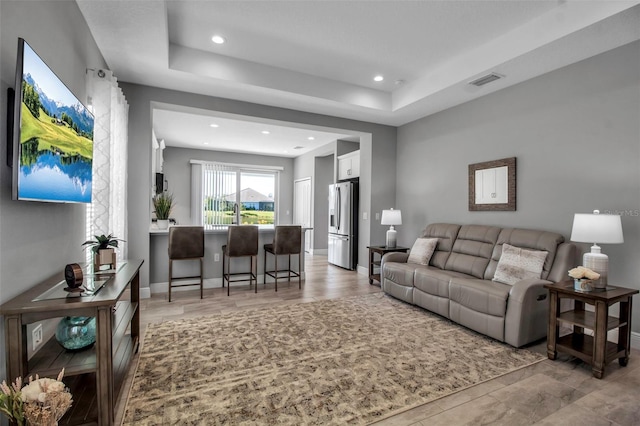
{"x": 472, "y": 249}
{"x": 446, "y": 234}
{"x": 527, "y": 239}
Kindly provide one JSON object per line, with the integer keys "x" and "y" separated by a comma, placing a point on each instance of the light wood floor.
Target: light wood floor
{"x": 561, "y": 392}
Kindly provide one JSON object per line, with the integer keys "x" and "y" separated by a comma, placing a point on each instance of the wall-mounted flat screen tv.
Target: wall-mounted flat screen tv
{"x": 52, "y": 136}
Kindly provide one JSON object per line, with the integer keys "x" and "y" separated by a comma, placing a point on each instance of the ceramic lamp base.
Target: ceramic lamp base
{"x": 597, "y": 262}
{"x": 391, "y": 237}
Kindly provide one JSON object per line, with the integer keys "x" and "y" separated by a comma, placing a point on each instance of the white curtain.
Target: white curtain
{"x": 107, "y": 212}
{"x": 211, "y": 186}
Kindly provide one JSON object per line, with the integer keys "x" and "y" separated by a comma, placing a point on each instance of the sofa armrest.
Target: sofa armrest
{"x": 527, "y": 312}
{"x": 394, "y": 256}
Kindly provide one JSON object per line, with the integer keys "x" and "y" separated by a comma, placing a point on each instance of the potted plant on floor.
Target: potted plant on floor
{"x": 163, "y": 204}
{"x": 103, "y": 250}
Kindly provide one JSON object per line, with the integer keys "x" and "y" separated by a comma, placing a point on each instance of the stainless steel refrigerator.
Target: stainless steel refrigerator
{"x": 343, "y": 225}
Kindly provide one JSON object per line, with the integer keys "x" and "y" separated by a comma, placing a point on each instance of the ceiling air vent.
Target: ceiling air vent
{"x": 486, "y": 79}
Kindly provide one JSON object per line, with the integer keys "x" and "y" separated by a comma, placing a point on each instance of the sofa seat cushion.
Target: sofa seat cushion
{"x": 482, "y": 296}
{"x": 435, "y": 281}
{"x": 400, "y": 273}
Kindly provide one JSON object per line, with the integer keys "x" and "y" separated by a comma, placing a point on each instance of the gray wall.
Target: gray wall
{"x": 576, "y": 135}
{"x": 345, "y": 147}
{"x": 38, "y": 239}
{"x": 378, "y": 145}
{"x": 319, "y": 165}
{"x": 324, "y": 169}
{"x": 177, "y": 169}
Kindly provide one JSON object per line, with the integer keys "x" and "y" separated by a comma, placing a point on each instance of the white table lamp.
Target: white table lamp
{"x": 391, "y": 217}
{"x": 597, "y": 228}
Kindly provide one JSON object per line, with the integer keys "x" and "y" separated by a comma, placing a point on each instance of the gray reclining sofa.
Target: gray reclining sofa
{"x": 457, "y": 282}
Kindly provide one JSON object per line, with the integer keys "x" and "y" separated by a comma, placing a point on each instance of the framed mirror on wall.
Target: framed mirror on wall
{"x": 492, "y": 185}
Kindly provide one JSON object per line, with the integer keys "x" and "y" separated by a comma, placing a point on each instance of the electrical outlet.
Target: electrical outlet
{"x": 216, "y": 257}
{"x": 377, "y": 216}
{"x": 36, "y": 336}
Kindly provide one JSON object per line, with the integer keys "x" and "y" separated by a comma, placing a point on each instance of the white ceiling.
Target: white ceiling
{"x": 236, "y": 133}
{"x": 321, "y": 56}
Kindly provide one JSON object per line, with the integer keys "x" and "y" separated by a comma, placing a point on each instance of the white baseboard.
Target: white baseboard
{"x": 635, "y": 340}
{"x": 145, "y": 293}
{"x": 362, "y": 270}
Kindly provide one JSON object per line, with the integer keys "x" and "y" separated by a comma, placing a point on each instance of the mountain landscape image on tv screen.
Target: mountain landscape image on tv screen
{"x": 56, "y": 137}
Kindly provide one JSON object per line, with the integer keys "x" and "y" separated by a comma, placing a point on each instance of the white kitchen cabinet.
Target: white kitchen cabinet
{"x": 349, "y": 165}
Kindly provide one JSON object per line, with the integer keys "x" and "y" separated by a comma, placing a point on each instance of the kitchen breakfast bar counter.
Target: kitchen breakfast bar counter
{"x": 214, "y": 239}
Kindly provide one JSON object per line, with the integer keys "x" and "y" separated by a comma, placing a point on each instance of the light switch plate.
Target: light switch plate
{"x": 364, "y": 215}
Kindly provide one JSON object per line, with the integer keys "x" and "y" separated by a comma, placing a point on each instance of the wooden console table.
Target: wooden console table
{"x": 106, "y": 364}
{"x": 381, "y": 251}
{"x": 594, "y": 350}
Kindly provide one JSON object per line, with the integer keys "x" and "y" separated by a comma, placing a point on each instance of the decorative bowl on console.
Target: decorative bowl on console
{"x": 76, "y": 333}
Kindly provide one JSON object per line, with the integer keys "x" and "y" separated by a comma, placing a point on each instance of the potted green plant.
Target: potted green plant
{"x": 103, "y": 248}
{"x": 163, "y": 204}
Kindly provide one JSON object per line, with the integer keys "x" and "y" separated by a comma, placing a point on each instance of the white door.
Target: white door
{"x": 302, "y": 208}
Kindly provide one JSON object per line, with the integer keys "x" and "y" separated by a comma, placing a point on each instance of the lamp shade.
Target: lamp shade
{"x": 597, "y": 228}
{"x": 391, "y": 217}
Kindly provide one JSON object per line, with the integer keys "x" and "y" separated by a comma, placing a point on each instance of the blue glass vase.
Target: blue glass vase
{"x": 76, "y": 333}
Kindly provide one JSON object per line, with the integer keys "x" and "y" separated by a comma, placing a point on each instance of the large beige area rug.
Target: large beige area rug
{"x": 345, "y": 361}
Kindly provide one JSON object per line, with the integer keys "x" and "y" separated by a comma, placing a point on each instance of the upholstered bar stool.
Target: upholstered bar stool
{"x": 185, "y": 243}
{"x": 286, "y": 241}
{"x": 242, "y": 241}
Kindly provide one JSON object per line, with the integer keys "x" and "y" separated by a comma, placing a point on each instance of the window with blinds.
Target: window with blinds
{"x": 227, "y": 194}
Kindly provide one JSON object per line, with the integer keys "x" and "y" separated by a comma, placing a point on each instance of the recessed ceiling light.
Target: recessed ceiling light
{"x": 217, "y": 39}
{"x": 213, "y": 125}
{"x": 205, "y": 143}
{"x": 378, "y": 78}
{"x": 311, "y": 138}
{"x": 265, "y": 132}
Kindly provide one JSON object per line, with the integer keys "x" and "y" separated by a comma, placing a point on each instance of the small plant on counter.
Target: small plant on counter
{"x": 163, "y": 204}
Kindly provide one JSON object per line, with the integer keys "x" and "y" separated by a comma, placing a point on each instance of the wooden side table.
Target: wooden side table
{"x": 381, "y": 251}
{"x": 594, "y": 350}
